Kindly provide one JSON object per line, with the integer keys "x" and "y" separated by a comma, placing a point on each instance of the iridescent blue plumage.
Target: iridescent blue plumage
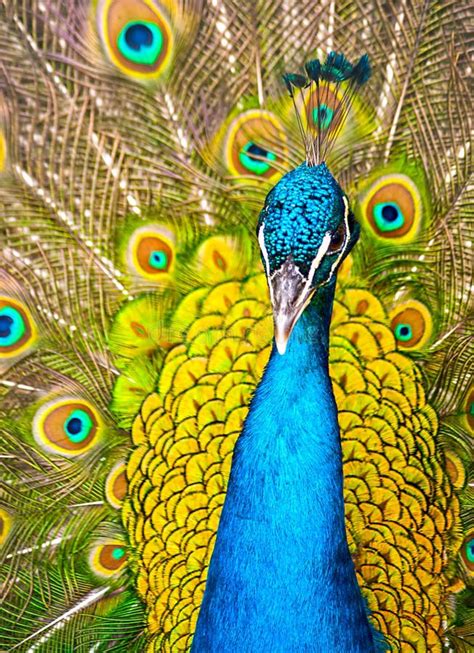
{"x": 305, "y": 205}
{"x": 281, "y": 577}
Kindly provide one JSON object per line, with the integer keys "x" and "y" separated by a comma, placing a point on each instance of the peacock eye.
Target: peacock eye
{"x": 403, "y": 332}
{"x": 12, "y": 326}
{"x": 108, "y": 559}
{"x": 255, "y": 158}
{"x": 411, "y": 324}
{"x": 393, "y": 208}
{"x": 337, "y": 239}
{"x": 116, "y": 485}
{"x": 67, "y": 426}
{"x": 151, "y": 252}
{"x": 141, "y": 42}
{"x": 322, "y": 116}
{"x": 78, "y": 426}
{"x": 467, "y": 551}
{"x": 324, "y": 113}
{"x": 17, "y": 330}
{"x": 137, "y": 36}
{"x": 388, "y": 216}
{"x": 470, "y": 550}
{"x": 255, "y": 145}
{"x": 158, "y": 260}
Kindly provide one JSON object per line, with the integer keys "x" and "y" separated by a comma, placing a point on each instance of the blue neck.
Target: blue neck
{"x": 281, "y": 578}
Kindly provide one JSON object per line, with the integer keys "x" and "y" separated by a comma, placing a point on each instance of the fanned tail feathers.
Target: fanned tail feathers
{"x": 137, "y": 142}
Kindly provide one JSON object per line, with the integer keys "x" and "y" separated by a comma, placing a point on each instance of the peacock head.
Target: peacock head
{"x": 305, "y": 231}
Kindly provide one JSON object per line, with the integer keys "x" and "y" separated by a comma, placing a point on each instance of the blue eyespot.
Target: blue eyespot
{"x": 118, "y": 553}
{"x": 403, "y": 332}
{"x": 107, "y": 559}
{"x": 388, "y": 216}
{"x": 6, "y": 323}
{"x": 470, "y": 550}
{"x": 158, "y": 260}
{"x": 137, "y": 35}
{"x": 251, "y": 158}
{"x": 141, "y": 42}
{"x": 78, "y": 426}
{"x": 12, "y": 326}
{"x": 323, "y": 115}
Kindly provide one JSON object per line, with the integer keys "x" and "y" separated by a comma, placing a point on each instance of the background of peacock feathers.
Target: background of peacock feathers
{"x": 103, "y": 160}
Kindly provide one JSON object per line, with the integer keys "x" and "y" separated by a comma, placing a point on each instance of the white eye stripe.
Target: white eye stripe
{"x": 323, "y": 248}
{"x": 263, "y": 247}
{"x": 346, "y": 239}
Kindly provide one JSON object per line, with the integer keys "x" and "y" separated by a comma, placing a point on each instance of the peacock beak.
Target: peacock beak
{"x": 290, "y": 294}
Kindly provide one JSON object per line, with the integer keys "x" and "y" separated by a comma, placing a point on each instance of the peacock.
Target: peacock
{"x": 236, "y": 326}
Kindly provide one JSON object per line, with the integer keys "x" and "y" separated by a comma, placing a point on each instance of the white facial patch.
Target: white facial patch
{"x": 263, "y": 248}
{"x": 346, "y": 240}
{"x": 321, "y": 253}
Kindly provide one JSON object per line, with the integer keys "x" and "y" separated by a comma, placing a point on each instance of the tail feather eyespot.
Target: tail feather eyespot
{"x": 67, "y": 426}
{"x": 151, "y": 252}
{"x": 411, "y": 324}
{"x": 116, "y": 485}
{"x": 5, "y": 525}
{"x": 136, "y": 35}
{"x": 324, "y": 113}
{"x": 255, "y": 145}
{"x": 108, "y": 559}
{"x": 392, "y": 208}
{"x": 17, "y": 329}
{"x": 467, "y": 551}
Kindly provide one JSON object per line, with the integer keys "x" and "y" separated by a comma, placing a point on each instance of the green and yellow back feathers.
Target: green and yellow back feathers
{"x": 138, "y": 142}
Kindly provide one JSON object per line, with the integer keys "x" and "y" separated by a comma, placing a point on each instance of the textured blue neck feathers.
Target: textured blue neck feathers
{"x": 281, "y": 578}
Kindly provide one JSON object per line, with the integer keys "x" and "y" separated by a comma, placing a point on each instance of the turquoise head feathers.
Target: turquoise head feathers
{"x": 307, "y": 215}
{"x": 306, "y": 227}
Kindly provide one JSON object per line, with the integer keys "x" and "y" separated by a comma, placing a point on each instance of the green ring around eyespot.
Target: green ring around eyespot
{"x": 87, "y": 424}
{"x": 382, "y": 223}
{"x": 147, "y": 54}
{"x": 471, "y": 408}
{"x": 159, "y": 264}
{"x": 118, "y": 553}
{"x": 470, "y": 550}
{"x": 403, "y": 337}
{"x": 18, "y": 327}
{"x": 326, "y": 121}
{"x": 253, "y": 165}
